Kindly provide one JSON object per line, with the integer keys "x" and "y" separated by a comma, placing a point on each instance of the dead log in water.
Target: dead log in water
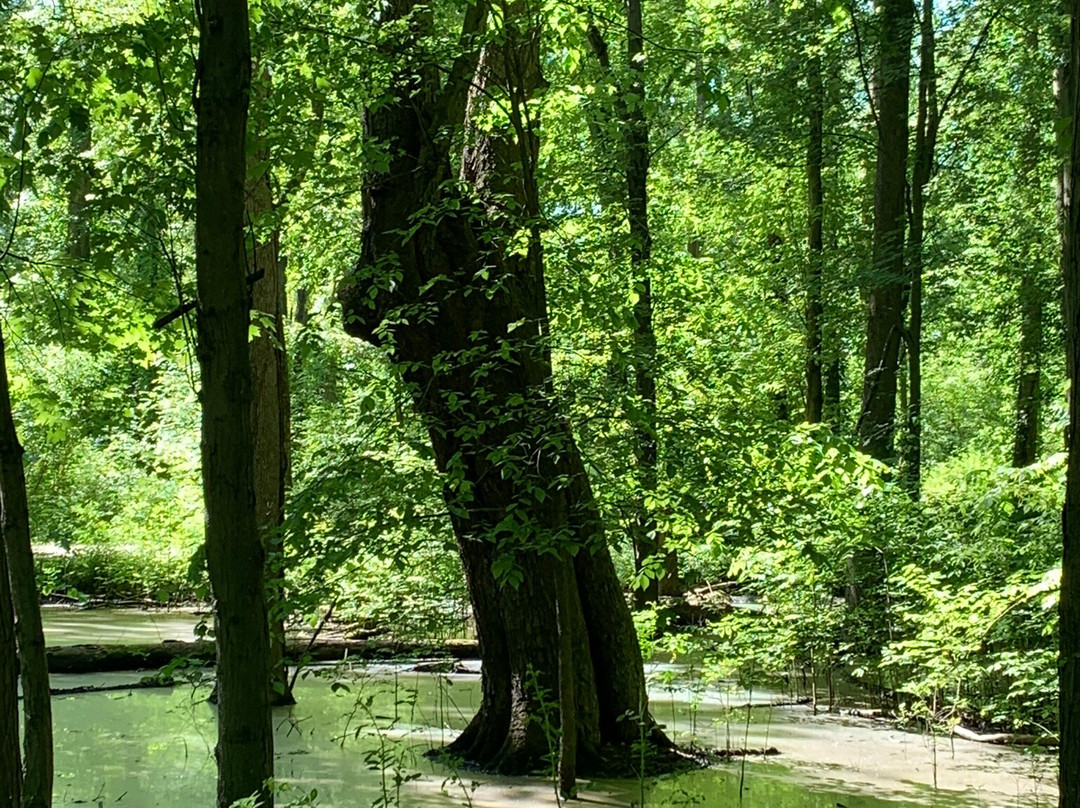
{"x": 106, "y": 658}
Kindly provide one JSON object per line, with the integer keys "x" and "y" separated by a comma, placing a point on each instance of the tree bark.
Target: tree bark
{"x": 629, "y": 111}
{"x": 1031, "y": 300}
{"x": 234, "y": 552}
{"x": 926, "y": 134}
{"x": 270, "y": 404}
{"x": 887, "y": 279}
{"x": 33, "y": 667}
{"x": 648, "y": 541}
{"x": 458, "y": 301}
{"x": 1028, "y": 397}
{"x": 10, "y": 760}
{"x": 1069, "y": 598}
{"x": 568, "y": 609}
{"x": 833, "y": 380}
{"x": 815, "y": 393}
{"x": 78, "y": 224}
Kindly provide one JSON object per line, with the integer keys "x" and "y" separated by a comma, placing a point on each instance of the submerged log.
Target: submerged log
{"x": 104, "y": 658}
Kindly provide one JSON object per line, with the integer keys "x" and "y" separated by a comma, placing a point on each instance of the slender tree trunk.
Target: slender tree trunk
{"x": 1031, "y": 300}
{"x": 1069, "y": 599}
{"x": 270, "y": 404}
{"x": 887, "y": 279}
{"x": 926, "y": 132}
{"x": 466, "y": 324}
{"x": 33, "y": 668}
{"x": 1026, "y": 437}
{"x": 234, "y": 552}
{"x": 833, "y": 379}
{"x": 648, "y": 541}
{"x": 10, "y": 760}
{"x": 815, "y": 393}
{"x": 78, "y": 223}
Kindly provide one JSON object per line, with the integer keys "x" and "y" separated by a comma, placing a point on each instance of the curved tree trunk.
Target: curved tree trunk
{"x": 458, "y": 300}
{"x": 234, "y": 553}
{"x": 33, "y": 668}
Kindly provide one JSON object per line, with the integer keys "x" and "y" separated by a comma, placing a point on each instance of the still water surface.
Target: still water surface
{"x": 147, "y": 748}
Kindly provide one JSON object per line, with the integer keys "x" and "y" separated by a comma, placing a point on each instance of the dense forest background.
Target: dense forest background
{"x": 860, "y": 426}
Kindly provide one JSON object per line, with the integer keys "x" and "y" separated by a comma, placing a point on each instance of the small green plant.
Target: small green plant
{"x": 545, "y": 715}
{"x": 305, "y": 799}
{"x": 393, "y": 760}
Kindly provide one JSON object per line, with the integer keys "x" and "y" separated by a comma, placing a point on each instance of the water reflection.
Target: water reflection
{"x": 66, "y": 626}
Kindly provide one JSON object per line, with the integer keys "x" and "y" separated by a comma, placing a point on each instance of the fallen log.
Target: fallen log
{"x": 728, "y": 754}
{"x": 143, "y": 684}
{"x": 148, "y": 682}
{"x": 106, "y": 658}
{"x": 754, "y": 705}
{"x": 1004, "y": 738}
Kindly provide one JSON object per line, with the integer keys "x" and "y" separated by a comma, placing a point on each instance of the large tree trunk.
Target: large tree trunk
{"x": 463, "y": 316}
{"x": 1069, "y": 599}
{"x": 815, "y": 308}
{"x": 33, "y": 667}
{"x": 10, "y": 762}
{"x": 234, "y": 552}
{"x": 886, "y": 281}
{"x": 269, "y": 400}
{"x": 926, "y": 132}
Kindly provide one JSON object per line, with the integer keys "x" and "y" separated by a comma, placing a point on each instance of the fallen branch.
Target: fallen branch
{"x": 1004, "y": 738}
{"x": 143, "y": 684}
{"x": 728, "y": 754}
{"x": 869, "y": 714}
{"x": 102, "y": 658}
{"x": 752, "y": 705}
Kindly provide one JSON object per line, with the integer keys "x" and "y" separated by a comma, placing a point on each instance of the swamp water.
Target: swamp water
{"x": 358, "y": 737}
